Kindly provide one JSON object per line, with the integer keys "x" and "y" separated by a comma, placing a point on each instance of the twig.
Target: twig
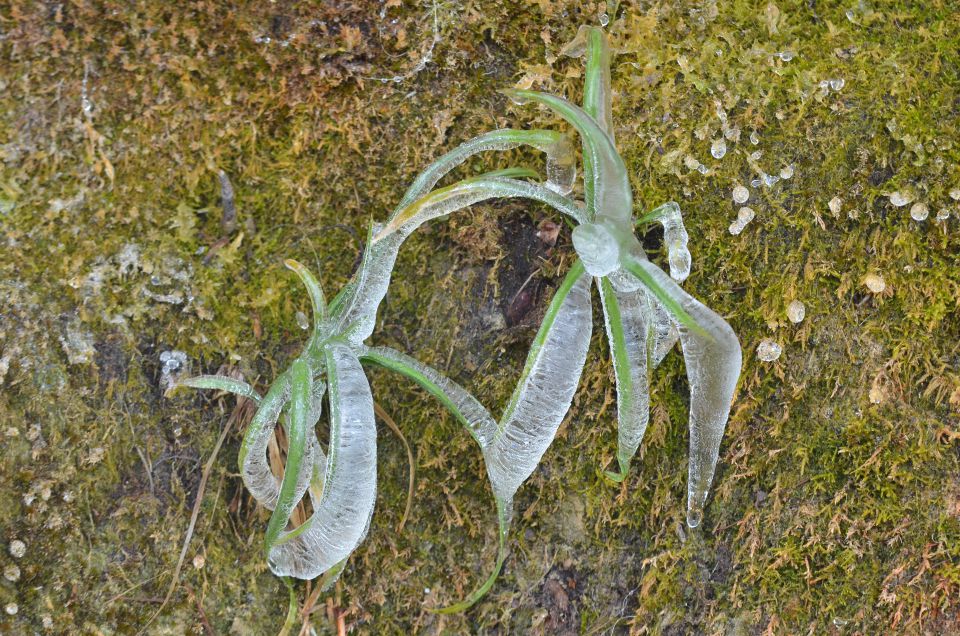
{"x": 383, "y": 415}
{"x": 203, "y": 615}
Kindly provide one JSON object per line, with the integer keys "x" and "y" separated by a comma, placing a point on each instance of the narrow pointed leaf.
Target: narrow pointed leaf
{"x": 546, "y": 388}
{"x": 608, "y": 193}
{"x": 313, "y": 290}
{"x": 468, "y": 411}
{"x": 220, "y": 383}
{"x": 713, "y": 357}
{"x": 300, "y": 391}
{"x": 555, "y": 144}
{"x": 626, "y": 315}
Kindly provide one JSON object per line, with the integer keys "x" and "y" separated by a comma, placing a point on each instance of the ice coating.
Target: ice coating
{"x": 608, "y": 192}
{"x": 626, "y": 316}
{"x": 597, "y": 248}
{"x": 343, "y": 510}
{"x": 557, "y": 147}
{"x": 713, "y": 359}
{"x": 675, "y": 238}
{"x": 591, "y": 42}
{"x": 458, "y": 400}
{"x": 543, "y": 396}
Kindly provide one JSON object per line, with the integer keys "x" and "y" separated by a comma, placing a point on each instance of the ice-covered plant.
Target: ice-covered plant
{"x": 341, "y": 481}
{"x": 645, "y": 311}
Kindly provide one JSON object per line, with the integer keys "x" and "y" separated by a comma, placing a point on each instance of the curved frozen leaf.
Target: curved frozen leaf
{"x": 675, "y": 237}
{"x": 343, "y": 509}
{"x": 457, "y": 196}
{"x": 608, "y": 192}
{"x": 313, "y": 290}
{"x": 300, "y": 397}
{"x": 255, "y": 470}
{"x": 546, "y": 388}
{"x": 219, "y": 383}
{"x": 466, "y": 408}
{"x": 627, "y": 318}
{"x": 556, "y": 145}
{"x": 712, "y": 356}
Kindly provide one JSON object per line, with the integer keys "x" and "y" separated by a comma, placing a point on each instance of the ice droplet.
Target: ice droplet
{"x": 770, "y": 180}
{"x": 900, "y": 199}
{"x": 604, "y": 19}
{"x": 943, "y": 214}
{"x": 786, "y": 172}
{"x": 718, "y": 148}
{"x": 919, "y": 211}
{"x": 744, "y": 216}
{"x": 835, "y": 205}
{"x": 702, "y": 169}
{"x": 796, "y": 311}
{"x": 955, "y": 194}
{"x": 302, "y": 321}
{"x": 17, "y": 549}
{"x": 875, "y": 283}
{"x": 732, "y": 134}
{"x": 691, "y": 162}
{"x": 837, "y": 84}
{"x": 11, "y": 573}
{"x": 12, "y": 609}
{"x": 786, "y": 56}
{"x": 754, "y": 138}
{"x": 768, "y": 350}
{"x": 740, "y": 194}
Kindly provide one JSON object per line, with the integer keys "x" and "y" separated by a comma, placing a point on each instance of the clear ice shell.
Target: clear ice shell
{"x": 597, "y": 248}
{"x": 543, "y": 397}
{"x": 626, "y": 317}
{"x": 713, "y": 359}
{"x": 343, "y": 508}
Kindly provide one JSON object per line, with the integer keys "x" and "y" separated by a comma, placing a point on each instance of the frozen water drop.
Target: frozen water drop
{"x": 744, "y": 216}
{"x": 955, "y": 194}
{"x": 770, "y": 180}
{"x": 786, "y": 172}
{"x": 768, "y": 350}
{"x": 732, "y": 134}
{"x": 943, "y": 214}
{"x": 786, "y": 56}
{"x": 702, "y": 169}
{"x": 796, "y": 311}
{"x": 604, "y": 19}
{"x": 694, "y": 517}
{"x": 755, "y": 183}
{"x": 900, "y": 199}
{"x": 740, "y": 194}
{"x": 835, "y": 205}
{"x": 302, "y": 321}
{"x": 17, "y": 549}
{"x": 691, "y": 162}
{"x": 919, "y": 211}
{"x": 875, "y": 283}
{"x": 754, "y": 138}
{"x": 718, "y": 148}
{"x": 837, "y": 84}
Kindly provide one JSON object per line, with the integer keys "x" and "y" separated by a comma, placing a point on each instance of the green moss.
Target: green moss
{"x": 831, "y": 512}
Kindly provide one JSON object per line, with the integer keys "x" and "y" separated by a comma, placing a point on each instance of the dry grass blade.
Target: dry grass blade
{"x": 383, "y": 415}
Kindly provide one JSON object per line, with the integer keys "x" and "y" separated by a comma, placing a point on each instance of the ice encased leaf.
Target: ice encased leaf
{"x": 543, "y": 396}
{"x": 342, "y": 512}
{"x": 627, "y": 320}
{"x": 713, "y": 360}
{"x": 597, "y": 248}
